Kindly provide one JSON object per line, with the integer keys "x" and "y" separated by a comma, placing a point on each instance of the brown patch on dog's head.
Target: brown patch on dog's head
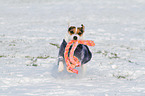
{"x": 72, "y": 30}
{"x": 80, "y": 30}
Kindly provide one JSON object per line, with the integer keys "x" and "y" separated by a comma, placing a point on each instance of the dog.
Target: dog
{"x": 82, "y": 52}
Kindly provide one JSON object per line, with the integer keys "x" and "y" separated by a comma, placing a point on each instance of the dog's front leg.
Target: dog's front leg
{"x": 61, "y": 56}
{"x": 60, "y": 64}
{"x": 84, "y": 68}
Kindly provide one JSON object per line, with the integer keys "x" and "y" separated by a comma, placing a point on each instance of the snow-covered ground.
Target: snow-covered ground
{"x": 32, "y": 30}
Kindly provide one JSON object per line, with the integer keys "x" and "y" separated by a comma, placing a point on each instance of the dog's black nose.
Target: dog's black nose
{"x": 75, "y": 37}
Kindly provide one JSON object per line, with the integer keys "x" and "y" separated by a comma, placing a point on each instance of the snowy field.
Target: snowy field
{"x": 31, "y": 32}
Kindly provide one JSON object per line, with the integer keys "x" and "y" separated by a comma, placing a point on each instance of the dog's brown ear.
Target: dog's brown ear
{"x": 71, "y": 30}
{"x": 82, "y": 28}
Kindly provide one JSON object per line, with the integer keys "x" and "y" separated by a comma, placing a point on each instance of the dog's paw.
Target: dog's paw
{"x": 60, "y": 67}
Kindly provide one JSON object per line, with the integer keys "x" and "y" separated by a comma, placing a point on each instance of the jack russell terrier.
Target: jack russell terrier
{"x": 82, "y": 52}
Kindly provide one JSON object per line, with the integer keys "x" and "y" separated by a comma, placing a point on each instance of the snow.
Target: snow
{"x": 32, "y": 30}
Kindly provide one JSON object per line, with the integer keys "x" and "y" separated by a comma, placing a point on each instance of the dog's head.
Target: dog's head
{"x": 76, "y": 33}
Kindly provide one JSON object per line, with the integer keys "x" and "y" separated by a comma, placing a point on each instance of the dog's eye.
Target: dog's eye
{"x": 71, "y": 32}
{"x": 79, "y": 33}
